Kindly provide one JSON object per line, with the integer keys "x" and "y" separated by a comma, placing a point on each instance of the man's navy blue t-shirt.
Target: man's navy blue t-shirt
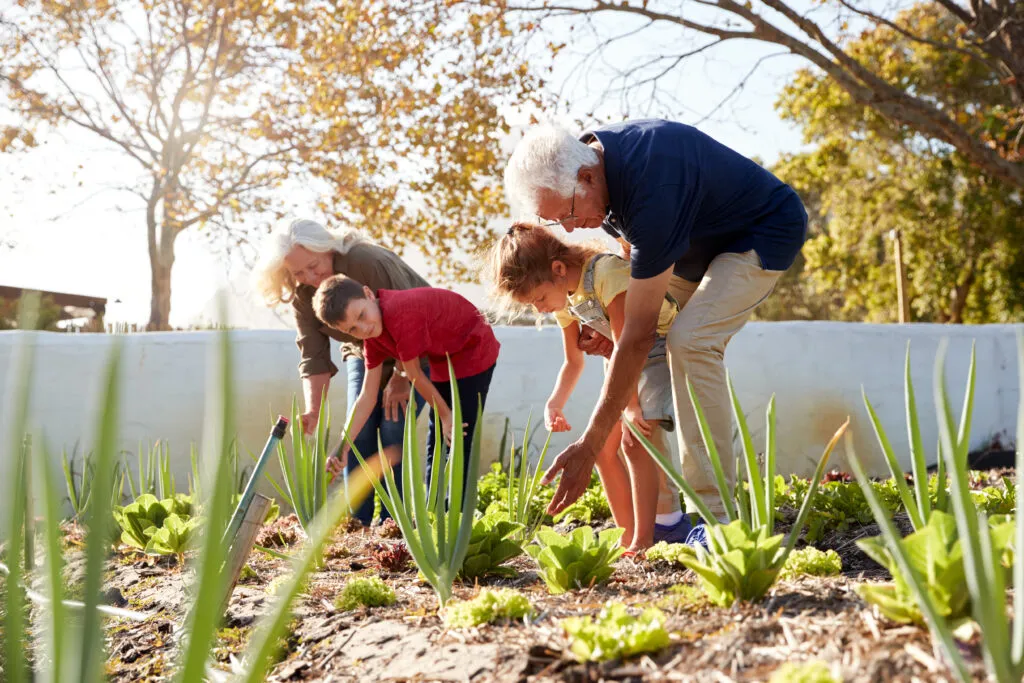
{"x": 681, "y": 198}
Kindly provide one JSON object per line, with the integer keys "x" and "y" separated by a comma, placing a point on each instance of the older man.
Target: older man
{"x": 697, "y": 220}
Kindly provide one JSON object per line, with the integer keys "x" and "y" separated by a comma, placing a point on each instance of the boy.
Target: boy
{"x": 407, "y": 325}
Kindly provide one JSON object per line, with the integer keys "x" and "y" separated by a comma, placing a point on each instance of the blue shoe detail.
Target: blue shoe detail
{"x": 673, "y": 533}
{"x": 698, "y": 536}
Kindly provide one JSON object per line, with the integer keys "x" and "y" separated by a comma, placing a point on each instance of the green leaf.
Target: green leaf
{"x": 576, "y": 561}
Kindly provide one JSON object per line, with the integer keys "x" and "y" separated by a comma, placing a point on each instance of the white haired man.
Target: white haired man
{"x": 697, "y": 220}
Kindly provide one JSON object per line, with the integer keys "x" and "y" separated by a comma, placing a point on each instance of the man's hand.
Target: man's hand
{"x": 396, "y": 397}
{"x": 594, "y": 343}
{"x": 554, "y": 419}
{"x": 575, "y": 464}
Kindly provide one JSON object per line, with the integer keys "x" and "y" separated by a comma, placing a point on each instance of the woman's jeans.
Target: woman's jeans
{"x": 472, "y": 395}
{"x": 391, "y": 434}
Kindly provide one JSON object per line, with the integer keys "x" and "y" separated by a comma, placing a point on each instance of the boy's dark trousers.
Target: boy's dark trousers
{"x": 472, "y": 394}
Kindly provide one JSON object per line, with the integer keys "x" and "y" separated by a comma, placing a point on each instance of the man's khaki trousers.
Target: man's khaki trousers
{"x": 711, "y": 312}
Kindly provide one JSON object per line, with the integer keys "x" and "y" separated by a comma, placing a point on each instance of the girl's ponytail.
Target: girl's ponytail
{"x": 521, "y": 260}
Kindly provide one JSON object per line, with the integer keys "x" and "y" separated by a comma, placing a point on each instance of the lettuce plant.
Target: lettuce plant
{"x": 491, "y": 486}
{"x": 491, "y": 544}
{"x": 739, "y": 564}
{"x": 615, "y": 633}
{"x": 144, "y": 513}
{"x": 997, "y": 500}
{"x": 488, "y": 607}
{"x": 807, "y": 672}
{"x": 810, "y": 561}
{"x": 437, "y": 524}
{"x": 174, "y": 537}
{"x": 367, "y": 591}
{"x": 935, "y": 553}
{"x": 591, "y": 507}
{"x": 579, "y": 560}
{"x": 744, "y": 557}
{"x": 666, "y": 552}
{"x": 391, "y": 557}
{"x": 984, "y": 565}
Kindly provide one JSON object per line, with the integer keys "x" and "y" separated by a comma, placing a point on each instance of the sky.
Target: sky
{"x": 72, "y": 233}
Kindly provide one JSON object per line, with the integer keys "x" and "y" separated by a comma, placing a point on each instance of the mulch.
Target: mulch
{"x": 800, "y": 620}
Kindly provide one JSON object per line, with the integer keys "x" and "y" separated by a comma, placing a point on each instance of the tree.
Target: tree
{"x": 393, "y": 107}
{"x": 962, "y": 229}
{"x": 987, "y": 36}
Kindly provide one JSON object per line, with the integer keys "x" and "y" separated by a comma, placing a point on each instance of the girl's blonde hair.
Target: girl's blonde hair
{"x": 273, "y": 281}
{"x": 521, "y": 261}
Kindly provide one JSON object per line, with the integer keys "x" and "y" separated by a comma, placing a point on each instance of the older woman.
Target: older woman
{"x": 296, "y": 258}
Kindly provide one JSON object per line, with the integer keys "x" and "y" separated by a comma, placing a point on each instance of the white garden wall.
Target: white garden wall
{"x": 816, "y": 371}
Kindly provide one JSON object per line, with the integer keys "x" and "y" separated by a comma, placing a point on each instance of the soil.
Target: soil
{"x": 803, "y": 619}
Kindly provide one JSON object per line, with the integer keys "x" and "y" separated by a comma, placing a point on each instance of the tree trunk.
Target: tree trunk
{"x": 958, "y": 297}
{"x": 160, "y": 287}
{"x": 161, "y": 260}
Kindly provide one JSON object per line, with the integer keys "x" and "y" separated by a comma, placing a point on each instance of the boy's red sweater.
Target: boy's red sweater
{"x": 432, "y": 322}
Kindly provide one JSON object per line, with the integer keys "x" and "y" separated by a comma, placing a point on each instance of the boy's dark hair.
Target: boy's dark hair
{"x": 333, "y": 297}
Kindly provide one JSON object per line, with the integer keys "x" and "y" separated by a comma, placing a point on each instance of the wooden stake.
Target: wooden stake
{"x": 902, "y": 294}
{"x": 244, "y": 541}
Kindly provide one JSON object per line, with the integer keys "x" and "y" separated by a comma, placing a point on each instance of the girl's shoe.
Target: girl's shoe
{"x": 673, "y": 533}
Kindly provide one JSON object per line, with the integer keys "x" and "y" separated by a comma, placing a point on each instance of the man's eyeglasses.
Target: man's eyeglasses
{"x": 570, "y": 217}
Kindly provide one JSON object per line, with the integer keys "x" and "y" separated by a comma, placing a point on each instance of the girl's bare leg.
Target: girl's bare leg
{"x": 616, "y": 481}
{"x": 643, "y": 480}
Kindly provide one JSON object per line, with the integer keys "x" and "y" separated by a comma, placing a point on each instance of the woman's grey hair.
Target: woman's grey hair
{"x": 548, "y": 157}
{"x": 273, "y": 281}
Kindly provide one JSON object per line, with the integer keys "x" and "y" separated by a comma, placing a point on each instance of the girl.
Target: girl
{"x": 581, "y": 285}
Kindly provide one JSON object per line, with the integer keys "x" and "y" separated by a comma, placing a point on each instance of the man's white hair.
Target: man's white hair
{"x": 273, "y": 281}
{"x": 547, "y": 158}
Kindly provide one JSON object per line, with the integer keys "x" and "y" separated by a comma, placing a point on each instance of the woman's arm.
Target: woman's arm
{"x": 314, "y": 387}
{"x": 364, "y": 406}
{"x": 568, "y": 376}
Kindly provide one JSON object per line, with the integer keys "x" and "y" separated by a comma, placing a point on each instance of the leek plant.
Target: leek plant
{"x": 917, "y": 502}
{"x": 69, "y": 649}
{"x": 523, "y": 487}
{"x": 305, "y": 471}
{"x": 436, "y": 524}
{"x": 1002, "y": 641}
{"x": 744, "y": 556}
{"x": 80, "y": 487}
{"x": 154, "y": 472}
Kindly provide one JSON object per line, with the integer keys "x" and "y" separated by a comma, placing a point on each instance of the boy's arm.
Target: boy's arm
{"x": 364, "y": 406}
{"x": 568, "y": 376}
{"x": 422, "y": 385}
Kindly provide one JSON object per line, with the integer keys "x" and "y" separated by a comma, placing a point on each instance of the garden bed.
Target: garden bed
{"x": 803, "y": 619}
